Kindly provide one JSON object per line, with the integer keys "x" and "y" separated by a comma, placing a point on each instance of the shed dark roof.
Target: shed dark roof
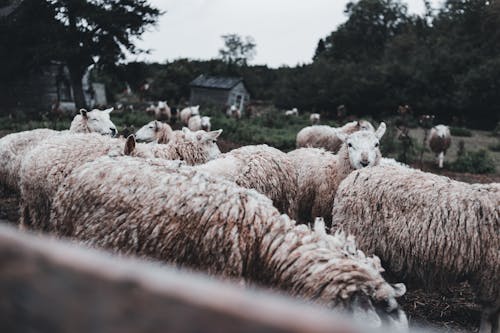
{"x": 216, "y": 82}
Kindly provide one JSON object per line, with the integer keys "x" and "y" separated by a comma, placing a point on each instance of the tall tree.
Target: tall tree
{"x": 98, "y": 30}
{"x": 237, "y": 50}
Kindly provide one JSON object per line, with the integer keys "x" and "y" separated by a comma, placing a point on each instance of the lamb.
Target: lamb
{"x": 319, "y": 172}
{"x": 188, "y": 218}
{"x": 314, "y": 118}
{"x": 428, "y": 228}
{"x": 188, "y": 112}
{"x": 439, "y": 142}
{"x": 94, "y": 121}
{"x": 45, "y": 167}
{"x": 263, "y": 168}
{"x": 194, "y": 123}
{"x": 322, "y": 136}
{"x": 154, "y": 131}
{"x": 292, "y": 112}
{"x": 234, "y": 112}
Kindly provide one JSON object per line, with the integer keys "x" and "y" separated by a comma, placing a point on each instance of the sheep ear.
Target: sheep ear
{"x": 129, "y": 145}
{"x": 108, "y": 110}
{"x": 380, "y": 130}
{"x": 83, "y": 112}
{"x": 399, "y": 288}
{"x": 214, "y": 134}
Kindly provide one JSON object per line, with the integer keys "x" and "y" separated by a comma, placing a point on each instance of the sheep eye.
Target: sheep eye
{"x": 376, "y": 145}
{"x": 349, "y": 145}
{"x": 214, "y": 141}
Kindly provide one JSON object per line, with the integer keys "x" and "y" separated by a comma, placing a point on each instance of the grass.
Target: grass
{"x": 460, "y": 131}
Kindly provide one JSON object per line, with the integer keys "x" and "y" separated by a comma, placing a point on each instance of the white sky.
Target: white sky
{"x": 286, "y": 31}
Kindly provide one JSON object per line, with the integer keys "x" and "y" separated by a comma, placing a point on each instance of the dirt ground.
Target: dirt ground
{"x": 452, "y": 311}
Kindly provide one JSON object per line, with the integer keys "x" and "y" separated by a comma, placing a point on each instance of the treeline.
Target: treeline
{"x": 445, "y": 62}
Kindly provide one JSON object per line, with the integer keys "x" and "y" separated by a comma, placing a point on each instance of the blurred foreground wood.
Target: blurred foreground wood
{"x": 52, "y": 286}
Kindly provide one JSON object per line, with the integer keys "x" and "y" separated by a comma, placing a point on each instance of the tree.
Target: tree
{"x": 319, "y": 49}
{"x": 237, "y": 50}
{"x": 99, "y": 31}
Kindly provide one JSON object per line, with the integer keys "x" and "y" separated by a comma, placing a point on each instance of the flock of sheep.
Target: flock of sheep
{"x": 246, "y": 215}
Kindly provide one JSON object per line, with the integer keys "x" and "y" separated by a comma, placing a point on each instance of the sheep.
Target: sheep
{"x": 322, "y": 136}
{"x": 154, "y": 131}
{"x": 194, "y": 123}
{"x": 160, "y": 210}
{"x": 428, "y": 228}
{"x": 93, "y": 121}
{"x": 320, "y": 172}
{"x": 45, "y": 167}
{"x": 263, "y": 168}
{"x": 188, "y": 112}
{"x": 205, "y": 124}
{"x": 314, "y": 118}
{"x": 292, "y": 112}
{"x": 234, "y": 112}
{"x": 439, "y": 142}
{"x": 162, "y": 111}
{"x": 13, "y": 147}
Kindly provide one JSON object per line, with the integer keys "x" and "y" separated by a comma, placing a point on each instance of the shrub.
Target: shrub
{"x": 474, "y": 162}
{"x": 460, "y": 131}
{"x": 495, "y": 146}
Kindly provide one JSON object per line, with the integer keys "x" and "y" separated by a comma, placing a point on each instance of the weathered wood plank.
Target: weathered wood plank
{"x": 52, "y": 286}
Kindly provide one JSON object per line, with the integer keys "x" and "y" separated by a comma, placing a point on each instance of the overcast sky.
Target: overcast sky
{"x": 286, "y": 31}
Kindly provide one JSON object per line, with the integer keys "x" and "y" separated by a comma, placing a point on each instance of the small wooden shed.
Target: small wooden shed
{"x": 219, "y": 91}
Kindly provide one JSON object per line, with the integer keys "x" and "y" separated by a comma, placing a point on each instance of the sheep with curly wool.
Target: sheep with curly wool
{"x": 13, "y": 147}
{"x": 189, "y": 112}
{"x": 95, "y": 121}
{"x": 439, "y": 142}
{"x": 327, "y": 137}
{"x": 158, "y": 209}
{"x": 427, "y": 228}
{"x": 154, "y": 131}
{"x": 320, "y": 172}
{"x": 267, "y": 170}
{"x": 314, "y": 118}
{"x": 45, "y": 167}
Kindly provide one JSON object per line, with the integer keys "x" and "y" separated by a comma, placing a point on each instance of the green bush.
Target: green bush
{"x": 495, "y": 147}
{"x": 496, "y": 130}
{"x": 460, "y": 131}
{"x": 474, "y": 162}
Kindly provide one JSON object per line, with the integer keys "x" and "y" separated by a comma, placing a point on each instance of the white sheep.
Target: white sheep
{"x": 154, "y": 131}
{"x": 160, "y": 210}
{"x": 234, "y": 112}
{"x": 13, "y": 147}
{"x": 292, "y": 112}
{"x": 162, "y": 111}
{"x": 263, "y": 168}
{"x": 320, "y": 172}
{"x": 314, "y": 118}
{"x": 194, "y": 123}
{"x": 439, "y": 142}
{"x": 327, "y": 137}
{"x": 45, "y": 166}
{"x": 188, "y": 112}
{"x": 427, "y": 228}
{"x": 206, "y": 124}
{"x": 95, "y": 121}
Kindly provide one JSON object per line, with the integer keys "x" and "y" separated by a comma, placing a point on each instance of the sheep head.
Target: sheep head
{"x": 98, "y": 121}
{"x": 363, "y": 147}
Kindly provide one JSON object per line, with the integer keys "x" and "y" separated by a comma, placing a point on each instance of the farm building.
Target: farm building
{"x": 219, "y": 91}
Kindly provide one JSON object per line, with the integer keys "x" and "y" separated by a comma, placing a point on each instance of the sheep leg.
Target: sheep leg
{"x": 441, "y": 159}
{"x": 486, "y": 322}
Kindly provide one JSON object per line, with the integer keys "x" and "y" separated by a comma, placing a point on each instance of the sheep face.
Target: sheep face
{"x": 162, "y": 105}
{"x": 363, "y": 147}
{"x": 208, "y": 140}
{"x": 99, "y": 121}
{"x": 147, "y": 133}
{"x": 442, "y": 131}
{"x": 205, "y": 123}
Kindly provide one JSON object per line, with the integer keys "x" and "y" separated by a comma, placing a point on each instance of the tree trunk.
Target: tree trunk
{"x": 76, "y": 75}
